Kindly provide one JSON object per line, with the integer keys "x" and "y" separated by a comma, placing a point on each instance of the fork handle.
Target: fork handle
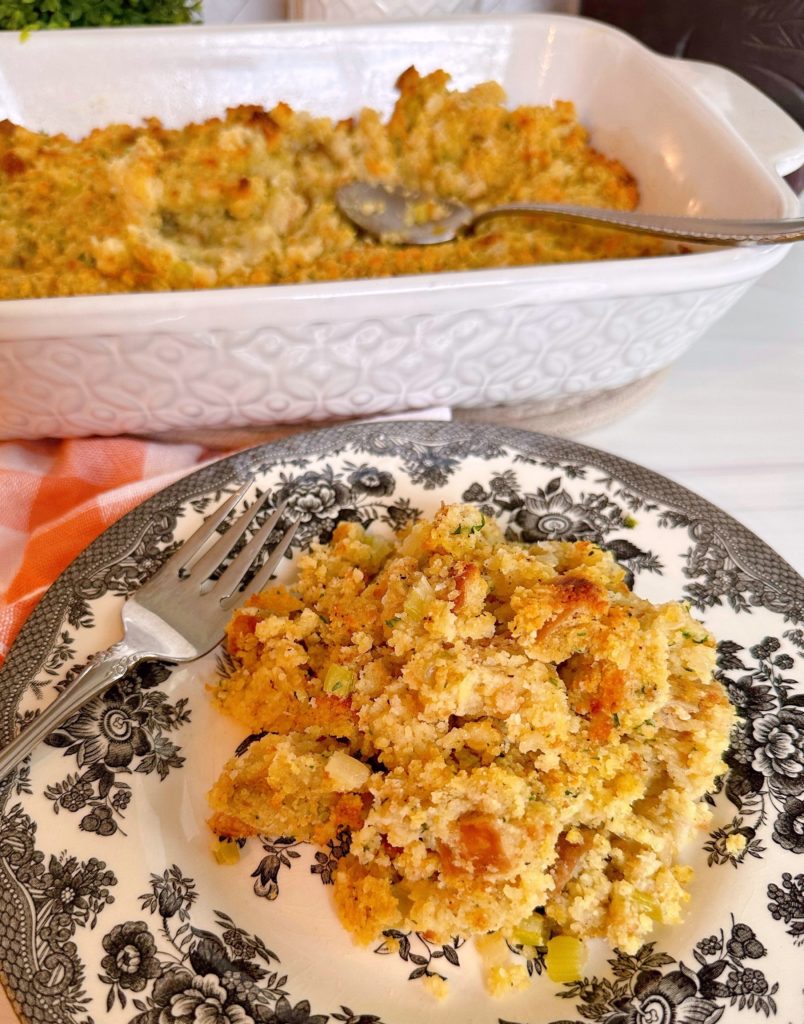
{"x": 104, "y": 669}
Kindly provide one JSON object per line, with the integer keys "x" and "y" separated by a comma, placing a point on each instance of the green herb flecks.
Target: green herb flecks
{"x": 469, "y": 530}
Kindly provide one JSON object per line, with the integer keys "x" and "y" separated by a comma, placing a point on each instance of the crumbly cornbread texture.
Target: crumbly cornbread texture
{"x": 501, "y": 727}
{"x": 248, "y": 199}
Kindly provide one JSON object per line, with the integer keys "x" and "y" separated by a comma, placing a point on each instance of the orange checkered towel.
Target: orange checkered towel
{"x": 57, "y": 496}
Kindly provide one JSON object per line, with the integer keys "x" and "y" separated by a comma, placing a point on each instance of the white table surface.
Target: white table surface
{"x": 728, "y": 420}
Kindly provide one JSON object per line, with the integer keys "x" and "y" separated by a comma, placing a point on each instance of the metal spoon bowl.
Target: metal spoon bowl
{"x": 394, "y": 215}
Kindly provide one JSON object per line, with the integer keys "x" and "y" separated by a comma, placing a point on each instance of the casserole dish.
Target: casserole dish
{"x": 148, "y": 363}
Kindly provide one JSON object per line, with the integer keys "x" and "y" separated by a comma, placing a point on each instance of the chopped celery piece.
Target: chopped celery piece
{"x": 380, "y": 549}
{"x": 226, "y": 852}
{"x": 418, "y": 600}
{"x": 565, "y": 959}
{"x": 647, "y": 904}
{"x": 339, "y": 681}
{"x": 532, "y": 931}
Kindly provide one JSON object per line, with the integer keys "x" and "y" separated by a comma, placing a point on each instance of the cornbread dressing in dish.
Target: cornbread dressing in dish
{"x": 501, "y": 727}
{"x": 248, "y": 199}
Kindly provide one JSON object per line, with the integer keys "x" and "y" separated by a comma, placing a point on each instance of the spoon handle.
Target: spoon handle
{"x": 689, "y": 229}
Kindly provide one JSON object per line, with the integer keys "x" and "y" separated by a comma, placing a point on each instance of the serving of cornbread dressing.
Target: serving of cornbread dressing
{"x": 248, "y": 199}
{"x": 517, "y": 744}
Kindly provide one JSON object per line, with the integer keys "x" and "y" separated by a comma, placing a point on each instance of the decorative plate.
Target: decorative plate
{"x": 112, "y": 907}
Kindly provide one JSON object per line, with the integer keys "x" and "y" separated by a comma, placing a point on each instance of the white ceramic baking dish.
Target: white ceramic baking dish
{"x": 699, "y": 140}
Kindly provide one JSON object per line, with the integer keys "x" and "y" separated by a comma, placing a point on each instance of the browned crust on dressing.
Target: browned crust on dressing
{"x": 248, "y": 198}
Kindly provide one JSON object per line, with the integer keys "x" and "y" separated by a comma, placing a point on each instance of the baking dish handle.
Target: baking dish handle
{"x": 771, "y": 133}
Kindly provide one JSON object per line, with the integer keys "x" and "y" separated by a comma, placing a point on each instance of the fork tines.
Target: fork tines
{"x": 197, "y": 561}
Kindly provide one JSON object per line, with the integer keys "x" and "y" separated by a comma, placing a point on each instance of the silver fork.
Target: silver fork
{"x": 179, "y": 614}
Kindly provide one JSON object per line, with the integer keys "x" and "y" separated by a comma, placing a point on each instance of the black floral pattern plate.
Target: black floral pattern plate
{"x": 112, "y": 907}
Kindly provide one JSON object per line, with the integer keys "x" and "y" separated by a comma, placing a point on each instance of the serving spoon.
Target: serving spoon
{"x": 394, "y": 215}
